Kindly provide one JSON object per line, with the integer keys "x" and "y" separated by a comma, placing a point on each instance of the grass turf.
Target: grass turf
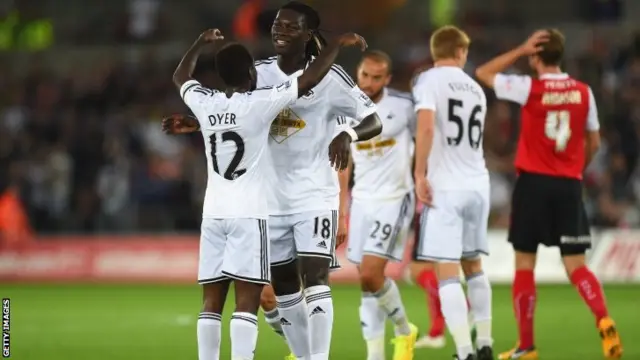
{"x": 112, "y": 322}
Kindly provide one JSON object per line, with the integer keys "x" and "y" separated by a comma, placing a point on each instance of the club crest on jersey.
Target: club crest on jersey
{"x": 284, "y": 86}
{"x": 286, "y": 124}
{"x": 365, "y": 99}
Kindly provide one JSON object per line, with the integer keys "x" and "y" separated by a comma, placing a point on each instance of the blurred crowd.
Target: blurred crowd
{"x": 85, "y": 152}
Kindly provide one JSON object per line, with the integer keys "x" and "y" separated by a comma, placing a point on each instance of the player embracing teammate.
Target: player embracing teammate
{"x": 559, "y": 136}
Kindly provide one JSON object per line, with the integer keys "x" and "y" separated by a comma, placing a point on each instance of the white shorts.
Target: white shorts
{"x": 455, "y": 227}
{"x": 311, "y": 233}
{"x": 379, "y": 228}
{"x": 234, "y": 249}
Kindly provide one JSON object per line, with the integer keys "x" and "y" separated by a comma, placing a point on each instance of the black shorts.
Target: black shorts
{"x": 548, "y": 210}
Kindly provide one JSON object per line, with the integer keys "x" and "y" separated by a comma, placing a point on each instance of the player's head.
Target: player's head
{"x": 374, "y": 72}
{"x": 295, "y": 31}
{"x": 451, "y": 44}
{"x": 235, "y": 66}
{"x": 552, "y": 51}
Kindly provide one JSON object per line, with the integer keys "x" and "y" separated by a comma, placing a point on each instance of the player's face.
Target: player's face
{"x": 373, "y": 76}
{"x": 289, "y": 32}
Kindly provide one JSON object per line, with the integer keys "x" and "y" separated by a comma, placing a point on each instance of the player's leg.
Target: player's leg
{"x": 285, "y": 280}
{"x": 425, "y": 274}
{"x": 269, "y": 306}
{"x": 372, "y": 317}
{"x": 476, "y": 218}
{"x": 215, "y": 286}
{"x": 386, "y": 234}
{"x": 530, "y": 224}
{"x": 574, "y": 240}
{"x": 442, "y": 243}
{"x": 315, "y": 238}
{"x": 246, "y": 261}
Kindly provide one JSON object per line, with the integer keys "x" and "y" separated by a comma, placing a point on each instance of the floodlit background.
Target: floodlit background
{"x": 92, "y": 192}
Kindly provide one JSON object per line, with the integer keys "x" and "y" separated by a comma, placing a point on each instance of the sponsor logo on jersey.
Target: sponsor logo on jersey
{"x": 375, "y": 146}
{"x": 286, "y": 124}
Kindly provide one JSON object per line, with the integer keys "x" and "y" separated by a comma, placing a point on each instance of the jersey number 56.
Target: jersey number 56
{"x": 473, "y": 123}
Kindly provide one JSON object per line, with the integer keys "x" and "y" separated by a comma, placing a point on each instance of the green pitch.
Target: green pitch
{"x": 69, "y": 322}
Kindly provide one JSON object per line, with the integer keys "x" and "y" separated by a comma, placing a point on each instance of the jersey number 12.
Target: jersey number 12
{"x": 232, "y": 171}
{"x": 474, "y": 123}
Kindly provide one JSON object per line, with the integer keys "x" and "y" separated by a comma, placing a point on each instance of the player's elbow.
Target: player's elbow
{"x": 593, "y": 142}
{"x": 377, "y": 126}
{"x": 484, "y": 76}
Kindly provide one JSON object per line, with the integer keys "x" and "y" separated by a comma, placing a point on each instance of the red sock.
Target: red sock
{"x": 429, "y": 283}
{"x": 524, "y": 304}
{"x": 591, "y": 291}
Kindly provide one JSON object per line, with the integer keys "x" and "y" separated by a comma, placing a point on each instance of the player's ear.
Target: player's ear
{"x": 388, "y": 80}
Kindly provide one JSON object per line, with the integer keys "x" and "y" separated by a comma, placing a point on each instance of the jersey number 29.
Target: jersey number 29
{"x": 473, "y": 123}
{"x": 232, "y": 171}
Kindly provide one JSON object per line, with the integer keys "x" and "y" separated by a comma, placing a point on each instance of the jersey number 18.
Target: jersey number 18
{"x": 473, "y": 123}
{"x": 232, "y": 171}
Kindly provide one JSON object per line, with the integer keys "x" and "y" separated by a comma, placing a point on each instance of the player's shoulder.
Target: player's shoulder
{"x": 267, "y": 64}
{"x": 401, "y": 97}
{"x": 340, "y": 75}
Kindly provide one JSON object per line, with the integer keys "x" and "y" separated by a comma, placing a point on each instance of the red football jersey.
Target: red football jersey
{"x": 557, "y": 111}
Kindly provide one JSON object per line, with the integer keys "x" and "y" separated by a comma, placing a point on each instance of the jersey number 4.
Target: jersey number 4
{"x": 474, "y": 123}
{"x": 557, "y": 127}
{"x": 232, "y": 171}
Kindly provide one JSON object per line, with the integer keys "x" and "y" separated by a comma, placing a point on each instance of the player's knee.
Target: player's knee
{"x": 371, "y": 279}
{"x": 525, "y": 260}
{"x": 448, "y": 270}
{"x": 315, "y": 271}
{"x": 248, "y": 296}
{"x": 573, "y": 262}
{"x": 471, "y": 266}
{"x": 268, "y": 299}
{"x": 285, "y": 279}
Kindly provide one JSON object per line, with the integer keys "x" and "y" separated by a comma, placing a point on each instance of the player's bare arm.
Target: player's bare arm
{"x": 343, "y": 211}
{"x": 592, "y": 144}
{"x": 487, "y": 72}
{"x": 321, "y": 66}
{"x": 180, "y": 124}
{"x": 340, "y": 147}
{"x": 184, "y": 71}
{"x": 424, "y": 141}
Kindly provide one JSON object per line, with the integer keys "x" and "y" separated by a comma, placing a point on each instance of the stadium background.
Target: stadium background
{"x": 99, "y": 211}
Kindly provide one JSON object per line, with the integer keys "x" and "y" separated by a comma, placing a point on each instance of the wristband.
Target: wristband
{"x": 352, "y": 133}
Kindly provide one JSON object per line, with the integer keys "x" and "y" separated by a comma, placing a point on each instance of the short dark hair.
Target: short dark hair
{"x": 312, "y": 19}
{"x": 378, "y": 56}
{"x": 234, "y": 62}
{"x": 553, "y": 50}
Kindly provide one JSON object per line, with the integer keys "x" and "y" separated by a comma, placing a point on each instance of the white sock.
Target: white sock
{"x": 390, "y": 301}
{"x": 372, "y": 320}
{"x": 209, "y": 336}
{"x": 479, "y": 292}
{"x": 454, "y": 309}
{"x": 244, "y": 335}
{"x": 320, "y": 308}
{"x": 294, "y": 320}
{"x": 272, "y": 318}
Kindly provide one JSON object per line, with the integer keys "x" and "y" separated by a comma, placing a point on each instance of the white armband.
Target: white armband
{"x": 352, "y": 133}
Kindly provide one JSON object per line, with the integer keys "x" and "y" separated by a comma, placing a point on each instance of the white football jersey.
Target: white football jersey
{"x": 383, "y": 164}
{"x": 235, "y": 131}
{"x": 456, "y": 161}
{"x": 300, "y": 135}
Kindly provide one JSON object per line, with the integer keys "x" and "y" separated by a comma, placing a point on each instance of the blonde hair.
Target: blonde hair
{"x": 446, "y": 41}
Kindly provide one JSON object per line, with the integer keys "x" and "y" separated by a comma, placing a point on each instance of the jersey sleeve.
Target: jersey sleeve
{"x": 346, "y": 97}
{"x": 593, "y": 124}
{"x": 424, "y": 93}
{"x": 514, "y": 88}
{"x": 195, "y": 95}
{"x": 273, "y": 99}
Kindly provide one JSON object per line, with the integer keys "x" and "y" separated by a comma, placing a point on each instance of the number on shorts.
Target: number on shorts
{"x": 232, "y": 171}
{"x": 385, "y": 231}
{"x": 473, "y": 123}
{"x": 322, "y": 227}
{"x": 557, "y": 127}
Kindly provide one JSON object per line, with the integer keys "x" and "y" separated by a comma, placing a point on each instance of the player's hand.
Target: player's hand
{"x": 211, "y": 35}
{"x": 534, "y": 43}
{"x": 343, "y": 231}
{"x": 340, "y": 151}
{"x": 352, "y": 39}
{"x": 180, "y": 124}
{"x": 424, "y": 192}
